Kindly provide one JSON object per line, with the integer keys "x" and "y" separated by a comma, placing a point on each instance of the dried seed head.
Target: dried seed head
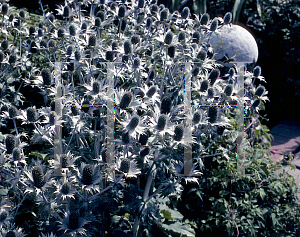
{"x": 212, "y": 114}
{"x": 65, "y": 188}
{"x": 211, "y": 92}
{"x": 135, "y": 39}
{"x": 70, "y": 50}
{"x": 195, "y": 71}
{"x": 153, "y": 9}
{"x": 256, "y": 103}
{"x": 87, "y": 174}
{"x": 125, "y": 58}
{"x": 101, "y": 15}
{"x": 4, "y": 45}
{"x": 12, "y": 111}
{"x": 260, "y": 90}
{"x": 10, "y": 143}
{"x": 185, "y": 12}
{"x": 161, "y": 7}
{"x": 92, "y": 41}
{"x": 213, "y": 75}
{"x": 84, "y": 26}
{"x": 214, "y": 25}
{"x": 181, "y": 36}
{"x": 33, "y": 47}
{"x": 126, "y": 99}
{"x": 113, "y": 6}
{"x": 178, "y": 132}
{"x": 164, "y": 14}
{"x": 151, "y": 91}
{"x": 61, "y": 33}
{"x": 66, "y": 12}
{"x": 77, "y": 55}
{"x": 231, "y": 72}
{"x": 72, "y": 30}
{"x": 196, "y": 37}
{"x": 152, "y": 75}
{"x": 74, "y": 220}
{"x": 40, "y": 32}
{"x": 11, "y": 17}
{"x": 38, "y": 176}
{"x": 96, "y": 113}
{"x": 166, "y": 104}
{"x": 171, "y": 51}
{"x": 46, "y": 75}
{"x": 169, "y": 37}
{"x": 122, "y": 11}
{"x": 227, "y": 18}
{"x": 141, "y": 3}
{"x": 40, "y": 25}
{"x": 96, "y": 87}
{"x": 149, "y": 21}
{"x": 114, "y": 45}
{"x": 204, "y": 19}
{"x": 51, "y": 43}
{"x": 4, "y": 8}
{"x": 97, "y": 21}
{"x": 125, "y": 165}
{"x": 109, "y": 56}
{"x": 12, "y": 59}
{"x": 204, "y": 85}
{"x": 16, "y": 153}
{"x": 228, "y": 90}
{"x": 43, "y": 43}
{"x": 145, "y": 151}
{"x": 136, "y": 62}
{"x": 31, "y": 30}
{"x": 134, "y": 122}
{"x": 52, "y": 118}
{"x": 143, "y": 139}
{"x": 125, "y": 138}
{"x": 127, "y": 47}
{"x": 3, "y": 216}
{"x": 202, "y": 54}
{"x": 31, "y": 114}
{"x": 257, "y": 71}
{"x": 51, "y": 18}
{"x": 161, "y": 122}
{"x": 197, "y": 117}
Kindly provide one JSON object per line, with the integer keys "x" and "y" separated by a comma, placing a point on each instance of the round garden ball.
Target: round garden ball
{"x": 234, "y": 40}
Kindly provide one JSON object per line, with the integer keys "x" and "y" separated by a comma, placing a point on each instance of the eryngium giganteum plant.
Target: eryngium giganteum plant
{"x": 121, "y": 123}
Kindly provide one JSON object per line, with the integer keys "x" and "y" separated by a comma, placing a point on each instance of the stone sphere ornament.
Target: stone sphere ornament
{"x": 236, "y": 41}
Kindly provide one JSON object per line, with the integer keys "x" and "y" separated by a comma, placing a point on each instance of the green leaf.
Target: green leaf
{"x": 166, "y": 214}
{"x": 178, "y": 229}
{"x": 237, "y": 9}
{"x": 3, "y": 191}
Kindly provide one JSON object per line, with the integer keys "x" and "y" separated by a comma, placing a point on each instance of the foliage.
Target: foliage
{"x": 97, "y": 131}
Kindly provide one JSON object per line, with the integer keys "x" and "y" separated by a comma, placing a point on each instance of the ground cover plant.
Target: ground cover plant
{"x": 117, "y": 121}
